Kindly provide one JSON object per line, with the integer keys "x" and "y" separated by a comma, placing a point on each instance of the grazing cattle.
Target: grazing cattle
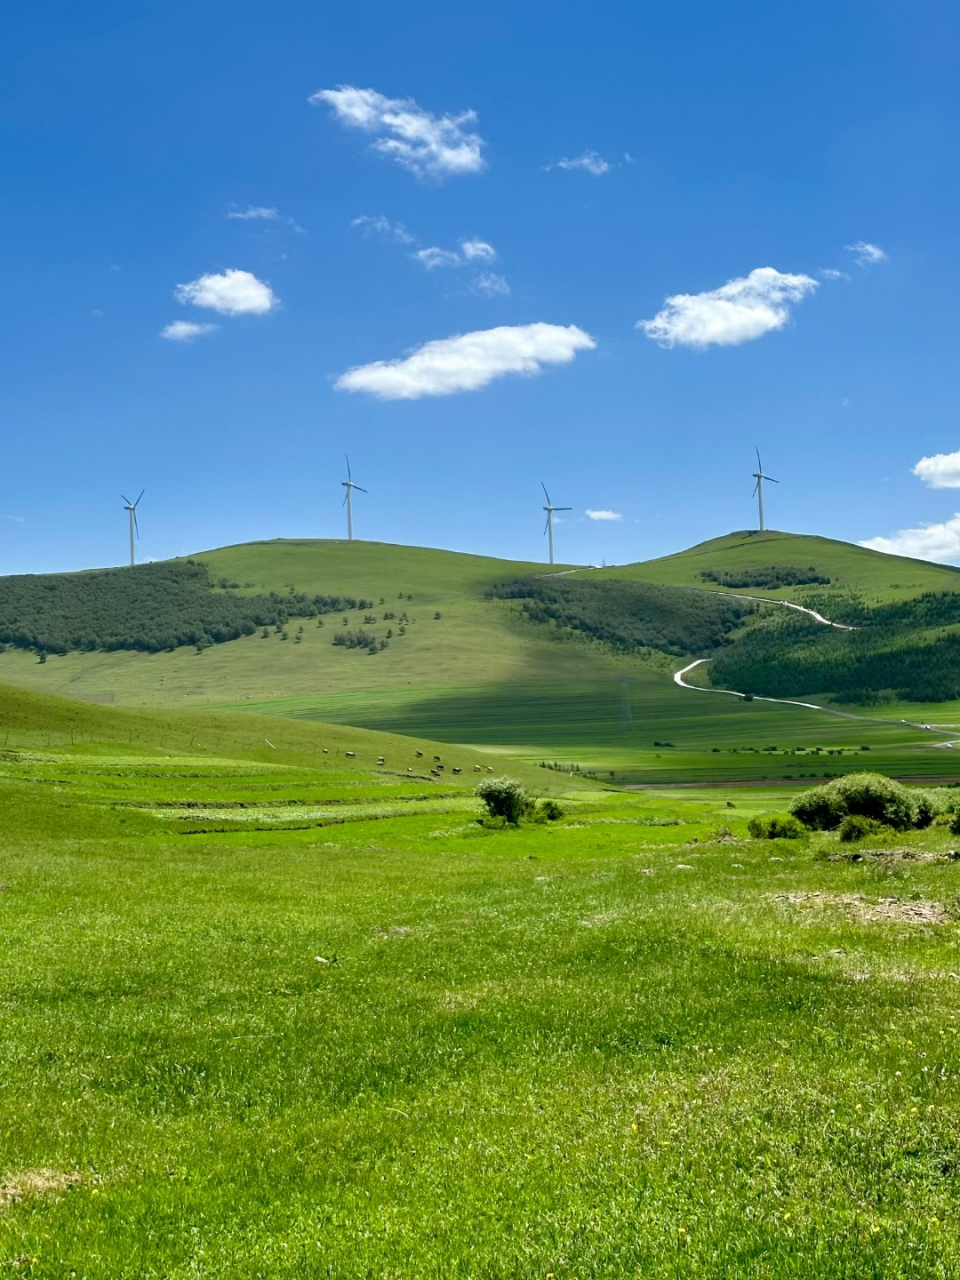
{"x": 325, "y": 751}
{"x": 419, "y": 754}
{"x": 436, "y": 759}
{"x": 380, "y": 760}
{"x": 351, "y": 755}
{"x": 489, "y": 768}
{"x": 458, "y": 771}
{"x": 435, "y": 773}
{"x": 476, "y": 768}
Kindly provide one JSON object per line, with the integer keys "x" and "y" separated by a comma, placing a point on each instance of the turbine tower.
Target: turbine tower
{"x": 758, "y": 491}
{"x": 550, "y": 509}
{"x": 131, "y": 509}
{"x": 347, "y": 501}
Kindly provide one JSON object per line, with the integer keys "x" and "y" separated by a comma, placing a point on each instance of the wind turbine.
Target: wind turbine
{"x": 347, "y": 501}
{"x": 550, "y": 509}
{"x": 760, "y": 477}
{"x": 131, "y": 509}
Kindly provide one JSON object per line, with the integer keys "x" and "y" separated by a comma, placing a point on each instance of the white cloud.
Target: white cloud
{"x": 590, "y": 162}
{"x": 434, "y": 257}
{"x": 739, "y": 311}
{"x": 468, "y": 361}
{"x": 425, "y": 144}
{"x": 478, "y": 251}
{"x": 866, "y": 254}
{"x": 940, "y": 471}
{"x": 831, "y": 273}
{"x": 938, "y": 542}
{"x": 381, "y": 226}
{"x": 490, "y": 285}
{"x": 254, "y": 213}
{"x": 604, "y": 515}
{"x": 186, "y": 330}
{"x": 232, "y": 293}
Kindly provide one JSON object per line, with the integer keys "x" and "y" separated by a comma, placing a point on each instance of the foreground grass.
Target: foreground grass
{"x": 633, "y": 1043}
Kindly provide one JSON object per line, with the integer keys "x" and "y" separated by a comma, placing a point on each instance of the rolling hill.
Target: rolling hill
{"x": 443, "y": 653}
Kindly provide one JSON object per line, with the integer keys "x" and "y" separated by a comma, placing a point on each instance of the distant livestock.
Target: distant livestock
{"x": 351, "y": 755}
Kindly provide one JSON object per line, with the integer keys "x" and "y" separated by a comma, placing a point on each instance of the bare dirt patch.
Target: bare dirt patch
{"x": 31, "y": 1183}
{"x": 884, "y": 910}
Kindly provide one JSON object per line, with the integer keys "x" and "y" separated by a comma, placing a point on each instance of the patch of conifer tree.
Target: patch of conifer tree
{"x": 629, "y": 615}
{"x": 150, "y": 607}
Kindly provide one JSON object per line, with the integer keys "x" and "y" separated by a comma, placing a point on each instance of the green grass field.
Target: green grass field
{"x": 878, "y": 577}
{"x": 482, "y": 674}
{"x": 274, "y": 1012}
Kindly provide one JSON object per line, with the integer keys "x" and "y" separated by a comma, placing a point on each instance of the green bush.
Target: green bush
{"x": 550, "y": 811}
{"x": 504, "y": 797}
{"x": 777, "y": 826}
{"x": 856, "y": 827}
{"x": 867, "y": 795}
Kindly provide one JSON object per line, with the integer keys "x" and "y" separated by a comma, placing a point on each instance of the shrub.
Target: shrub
{"x": 856, "y": 827}
{"x": 868, "y": 795}
{"x": 504, "y": 797}
{"x": 955, "y": 824}
{"x": 777, "y": 826}
{"x": 550, "y": 811}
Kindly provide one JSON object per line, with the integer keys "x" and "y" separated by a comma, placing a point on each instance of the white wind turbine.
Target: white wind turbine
{"x": 131, "y": 509}
{"x": 550, "y": 509}
{"x": 758, "y": 491}
{"x": 347, "y": 501}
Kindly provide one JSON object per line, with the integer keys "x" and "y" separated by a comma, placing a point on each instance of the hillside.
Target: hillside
{"x": 875, "y": 577}
{"x": 459, "y": 666}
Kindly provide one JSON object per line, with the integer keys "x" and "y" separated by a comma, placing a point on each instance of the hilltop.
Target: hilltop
{"x": 443, "y": 646}
{"x": 871, "y": 574}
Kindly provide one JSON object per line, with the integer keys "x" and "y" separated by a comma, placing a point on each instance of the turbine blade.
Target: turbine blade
{"x": 546, "y": 495}
{"x": 136, "y": 524}
{"x": 345, "y": 497}
{"x": 126, "y": 500}
{"x": 759, "y": 463}
{"x": 563, "y": 508}
{"x": 546, "y": 527}
{"x": 771, "y": 478}
{"x": 755, "y": 488}
{"x": 356, "y": 486}
{"x": 349, "y": 477}
{"x": 142, "y": 492}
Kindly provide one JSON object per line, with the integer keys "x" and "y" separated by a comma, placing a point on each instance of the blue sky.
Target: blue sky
{"x": 542, "y": 177}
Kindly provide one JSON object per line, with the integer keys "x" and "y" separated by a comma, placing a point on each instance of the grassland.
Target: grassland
{"x": 482, "y": 674}
{"x": 245, "y": 1037}
{"x": 877, "y": 578}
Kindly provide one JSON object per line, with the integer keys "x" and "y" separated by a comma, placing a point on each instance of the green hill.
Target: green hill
{"x": 872, "y": 575}
{"x": 449, "y": 655}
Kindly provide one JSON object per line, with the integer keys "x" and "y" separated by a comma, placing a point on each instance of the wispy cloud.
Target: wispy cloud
{"x": 262, "y": 213}
{"x": 467, "y": 361}
{"x": 589, "y": 162}
{"x": 938, "y": 542}
{"x": 604, "y": 515}
{"x": 428, "y": 146}
{"x": 15, "y": 519}
{"x": 478, "y": 251}
{"x": 490, "y": 285}
{"x": 939, "y": 471}
{"x": 383, "y": 227}
{"x": 866, "y": 255}
{"x": 739, "y": 311}
{"x": 831, "y": 273}
{"x": 433, "y": 257}
{"x": 186, "y": 330}
{"x": 254, "y": 213}
{"x": 232, "y": 293}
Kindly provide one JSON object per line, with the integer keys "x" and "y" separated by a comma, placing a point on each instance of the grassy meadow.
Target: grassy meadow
{"x": 480, "y": 673}
{"x": 274, "y": 1010}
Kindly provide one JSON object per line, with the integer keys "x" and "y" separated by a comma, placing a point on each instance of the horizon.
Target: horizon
{"x": 560, "y": 566}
